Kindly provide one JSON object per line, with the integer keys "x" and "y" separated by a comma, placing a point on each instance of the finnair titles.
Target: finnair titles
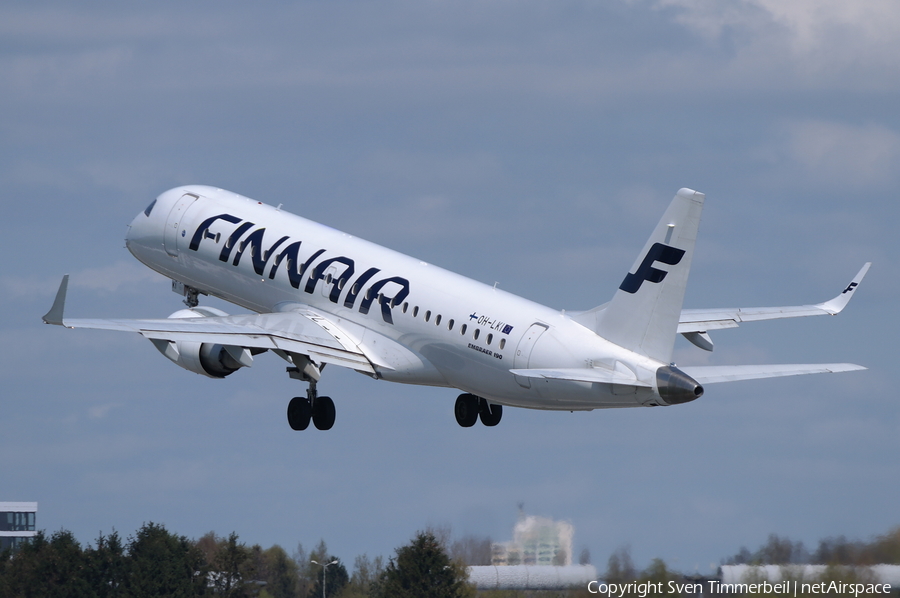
{"x": 318, "y": 296}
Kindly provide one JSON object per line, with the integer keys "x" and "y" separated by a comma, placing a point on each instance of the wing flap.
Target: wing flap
{"x": 293, "y": 332}
{"x": 711, "y": 374}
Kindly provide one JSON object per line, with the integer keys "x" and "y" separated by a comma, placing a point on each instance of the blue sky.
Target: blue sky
{"x": 534, "y": 144}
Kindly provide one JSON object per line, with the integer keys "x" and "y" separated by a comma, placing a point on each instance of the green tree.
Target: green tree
{"x": 163, "y": 564}
{"x": 886, "y": 549}
{"x": 106, "y": 565}
{"x": 781, "y": 551}
{"x": 366, "y": 572}
{"x": 422, "y": 569}
{"x": 229, "y": 568}
{"x": 53, "y": 568}
{"x": 278, "y": 571}
{"x": 301, "y": 559}
{"x": 334, "y": 577}
{"x": 657, "y": 572}
{"x": 620, "y": 568}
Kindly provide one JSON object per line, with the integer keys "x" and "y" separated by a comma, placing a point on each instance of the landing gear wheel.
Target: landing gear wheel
{"x": 323, "y": 413}
{"x": 489, "y": 412}
{"x": 298, "y": 413}
{"x": 466, "y": 410}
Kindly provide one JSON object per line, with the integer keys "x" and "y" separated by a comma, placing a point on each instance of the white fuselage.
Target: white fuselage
{"x": 429, "y": 325}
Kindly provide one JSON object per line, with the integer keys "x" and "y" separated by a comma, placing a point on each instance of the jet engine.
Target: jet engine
{"x": 208, "y": 359}
{"x": 676, "y": 387}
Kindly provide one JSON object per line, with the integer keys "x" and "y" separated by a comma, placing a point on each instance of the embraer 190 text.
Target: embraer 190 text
{"x": 321, "y": 297}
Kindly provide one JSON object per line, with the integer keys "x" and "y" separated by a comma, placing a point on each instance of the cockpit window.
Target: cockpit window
{"x": 149, "y": 208}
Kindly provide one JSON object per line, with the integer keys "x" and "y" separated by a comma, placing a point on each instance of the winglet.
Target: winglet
{"x": 55, "y": 315}
{"x": 840, "y": 302}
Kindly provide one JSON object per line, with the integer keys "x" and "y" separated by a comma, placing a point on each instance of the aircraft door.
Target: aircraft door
{"x": 174, "y": 230}
{"x": 523, "y": 351}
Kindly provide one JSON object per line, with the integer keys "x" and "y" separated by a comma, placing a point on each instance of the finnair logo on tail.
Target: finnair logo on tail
{"x": 658, "y": 253}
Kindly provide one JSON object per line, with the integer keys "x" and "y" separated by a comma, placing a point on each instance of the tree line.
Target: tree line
{"x": 155, "y": 562}
{"x": 884, "y": 549}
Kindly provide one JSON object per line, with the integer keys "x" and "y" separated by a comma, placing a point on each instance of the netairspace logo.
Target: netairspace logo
{"x": 795, "y": 588}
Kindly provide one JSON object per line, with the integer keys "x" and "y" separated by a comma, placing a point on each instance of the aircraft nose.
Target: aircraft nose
{"x": 139, "y": 229}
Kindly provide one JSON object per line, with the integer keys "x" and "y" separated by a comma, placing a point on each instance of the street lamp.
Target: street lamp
{"x": 324, "y": 571}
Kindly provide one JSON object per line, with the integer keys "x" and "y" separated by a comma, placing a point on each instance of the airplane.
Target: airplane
{"x": 320, "y": 296}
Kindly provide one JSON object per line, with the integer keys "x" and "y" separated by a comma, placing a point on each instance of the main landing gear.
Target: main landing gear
{"x": 318, "y": 409}
{"x": 313, "y": 407}
{"x": 470, "y": 407}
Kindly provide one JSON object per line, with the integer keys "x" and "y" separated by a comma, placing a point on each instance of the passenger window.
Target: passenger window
{"x": 415, "y": 311}
{"x": 502, "y": 342}
{"x": 490, "y": 338}
{"x": 462, "y": 330}
{"x": 427, "y": 315}
{"x": 437, "y": 320}
{"x": 450, "y": 325}
{"x": 405, "y": 305}
{"x": 477, "y": 332}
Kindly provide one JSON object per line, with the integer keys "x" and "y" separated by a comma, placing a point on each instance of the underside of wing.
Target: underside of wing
{"x": 298, "y": 331}
{"x": 710, "y": 374}
{"x": 695, "y": 323}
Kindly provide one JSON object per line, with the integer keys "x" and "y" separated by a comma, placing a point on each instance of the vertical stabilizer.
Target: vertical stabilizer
{"x": 643, "y": 315}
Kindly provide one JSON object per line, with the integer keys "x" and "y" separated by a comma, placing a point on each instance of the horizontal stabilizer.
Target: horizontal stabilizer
{"x": 710, "y": 374}
{"x": 704, "y": 320}
{"x": 584, "y": 375}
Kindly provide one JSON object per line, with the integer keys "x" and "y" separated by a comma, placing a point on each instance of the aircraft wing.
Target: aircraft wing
{"x": 695, "y": 323}
{"x": 302, "y": 331}
{"x": 710, "y": 374}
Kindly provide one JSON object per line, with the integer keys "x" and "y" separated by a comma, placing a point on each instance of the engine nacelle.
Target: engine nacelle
{"x": 208, "y": 359}
{"x": 676, "y": 387}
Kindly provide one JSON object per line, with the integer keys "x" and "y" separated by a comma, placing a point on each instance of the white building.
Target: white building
{"x": 537, "y": 541}
{"x": 520, "y": 577}
{"x": 17, "y": 523}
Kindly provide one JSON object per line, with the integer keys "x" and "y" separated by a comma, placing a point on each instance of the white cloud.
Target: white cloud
{"x": 849, "y": 154}
{"x": 101, "y": 411}
{"x": 837, "y": 43}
